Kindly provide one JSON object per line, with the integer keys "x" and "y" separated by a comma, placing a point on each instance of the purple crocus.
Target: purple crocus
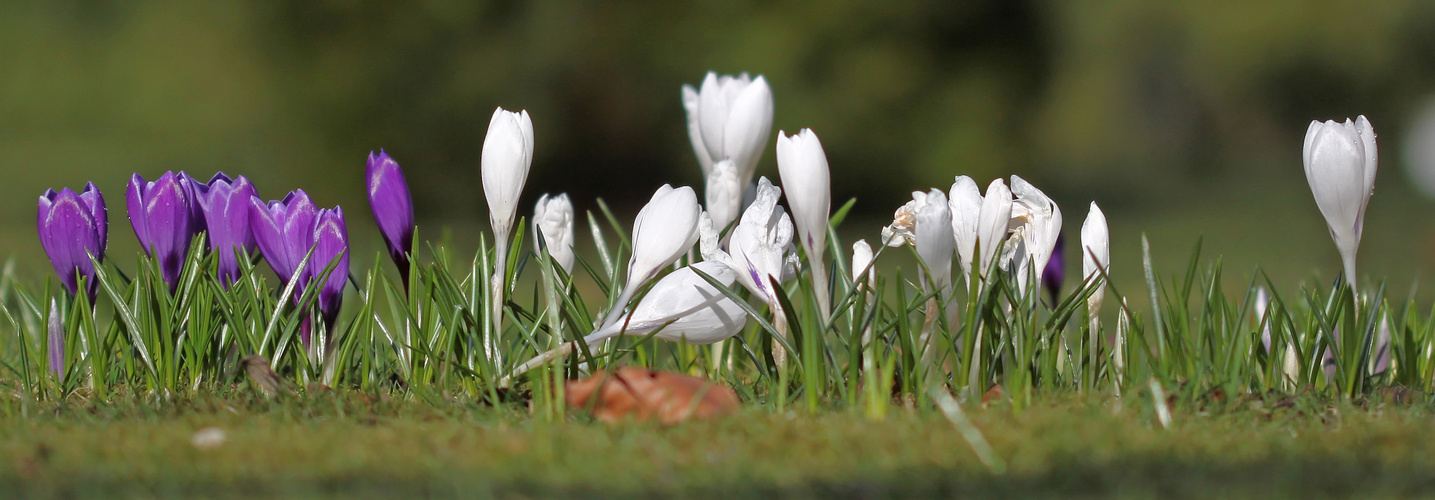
{"x": 284, "y": 231}
{"x": 331, "y": 240}
{"x": 197, "y": 221}
{"x": 224, "y": 204}
{"x": 160, "y": 212}
{"x": 73, "y": 226}
{"x": 1055, "y": 271}
{"x": 393, "y": 208}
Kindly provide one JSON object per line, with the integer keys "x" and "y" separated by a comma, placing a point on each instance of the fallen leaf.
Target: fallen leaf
{"x": 644, "y": 394}
{"x": 258, "y": 369}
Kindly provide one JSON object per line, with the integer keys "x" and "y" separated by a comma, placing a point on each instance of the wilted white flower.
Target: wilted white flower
{"x": 1035, "y": 225}
{"x": 1095, "y": 259}
{"x": 507, "y": 155}
{"x": 687, "y": 308}
{"x": 760, "y": 249}
{"x": 1340, "y": 163}
{"x": 902, "y": 231}
{"x": 729, "y": 118}
{"x": 553, "y": 228}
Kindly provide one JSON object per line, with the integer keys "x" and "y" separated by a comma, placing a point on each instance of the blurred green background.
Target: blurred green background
{"x": 1182, "y": 119}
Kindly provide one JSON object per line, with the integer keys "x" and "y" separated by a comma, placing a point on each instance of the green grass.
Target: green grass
{"x": 343, "y": 445}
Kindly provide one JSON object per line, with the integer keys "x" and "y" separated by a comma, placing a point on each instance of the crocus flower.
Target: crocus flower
{"x": 863, "y": 272}
{"x": 1340, "y": 163}
{"x": 553, "y": 227}
{"x": 330, "y": 239}
{"x": 691, "y": 308}
{"x": 1054, "y": 274}
{"x": 284, "y": 231}
{"x": 926, "y": 223}
{"x": 724, "y": 194}
{"x": 224, "y": 204}
{"x": 729, "y": 118}
{"x": 803, "y": 166}
{"x": 393, "y": 208}
{"x": 507, "y": 155}
{"x": 197, "y": 222}
{"x": 994, "y": 222}
{"x": 161, "y": 213}
{"x": 761, "y": 249}
{"x": 1035, "y": 224}
{"x": 74, "y": 226}
{"x": 1095, "y": 260}
{"x": 664, "y": 230}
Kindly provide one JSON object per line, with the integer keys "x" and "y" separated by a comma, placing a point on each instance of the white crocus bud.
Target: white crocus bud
{"x": 863, "y": 272}
{"x": 685, "y": 306}
{"x": 553, "y": 229}
{"x": 1340, "y": 163}
{"x": 994, "y": 222}
{"x": 664, "y": 230}
{"x": 729, "y": 118}
{"x": 935, "y": 243}
{"x": 760, "y": 249}
{"x": 1095, "y": 260}
{"x": 507, "y": 155}
{"x": 724, "y": 194}
{"x": 803, "y": 166}
{"x": 966, "y": 206}
{"x": 1035, "y": 225}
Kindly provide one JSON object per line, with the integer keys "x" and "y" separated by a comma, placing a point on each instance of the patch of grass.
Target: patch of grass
{"x": 353, "y": 446}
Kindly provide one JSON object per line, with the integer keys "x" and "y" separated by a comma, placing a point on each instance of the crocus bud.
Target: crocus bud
{"x": 55, "y": 341}
{"x": 284, "y": 231}
{"x": 330, "y": 239}
{"x": 1340, "y": 162}
{"x": 724, "y": 194}
{"x": 1054, "y": 274}
{"x": 553, "y": 227}
{"x": 393, "y": 207}
{"x": 664, "y": 230}
{"x": 161, "y": 214}
{"x": 73, "y": 227}
{"x": 729, "y": 118}
{"x": 966, "y": 205}
{"x": 1035, "y": 224}
{"x": 803, "y": 166}
{"x": 507, "y": 154}
{"x": 863, "y": 272}
{"x": 935, "y": 243}
{"x": 760, "y": 249}
{"x": 224, "y": 204}
{"x": 686, "y": 307}
{"x": 1095, "y": 258}
{"x": 993, "y": 224}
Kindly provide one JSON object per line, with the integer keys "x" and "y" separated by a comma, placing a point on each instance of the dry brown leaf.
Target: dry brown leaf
{"x": 644, "y": 394}
{"x": 258, "y": 369}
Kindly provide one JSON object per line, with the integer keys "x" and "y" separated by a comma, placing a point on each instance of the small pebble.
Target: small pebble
{"x": 208, "y": 438}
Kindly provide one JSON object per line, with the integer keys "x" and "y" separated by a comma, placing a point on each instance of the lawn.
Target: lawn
{"x": 355, "y": 446}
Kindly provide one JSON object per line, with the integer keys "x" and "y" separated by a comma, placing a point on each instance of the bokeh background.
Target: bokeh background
{"x": 1183, "y": 119}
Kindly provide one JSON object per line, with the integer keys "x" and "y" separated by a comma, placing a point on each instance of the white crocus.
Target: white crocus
{"x": 507, "y": 155}
{"x": 935, "y": 243}
{"x": 553, "y": 229}
{"x": 803, "y": 166}
{"x": 966, "y": 205}
{"x": 682, "y": 306}
{"x": 1034, "y": 226}
{"x": 729, "y": 118}
{"x": 1340, "y": 163}
{"x": 864, "y": 274}
{"x": 760, "y": 251}
{"x": 724, "y": 194}
{"x": 664, "y": 230}
{"x": 1095, "y": 263}
{"x": 994, "y": 223}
